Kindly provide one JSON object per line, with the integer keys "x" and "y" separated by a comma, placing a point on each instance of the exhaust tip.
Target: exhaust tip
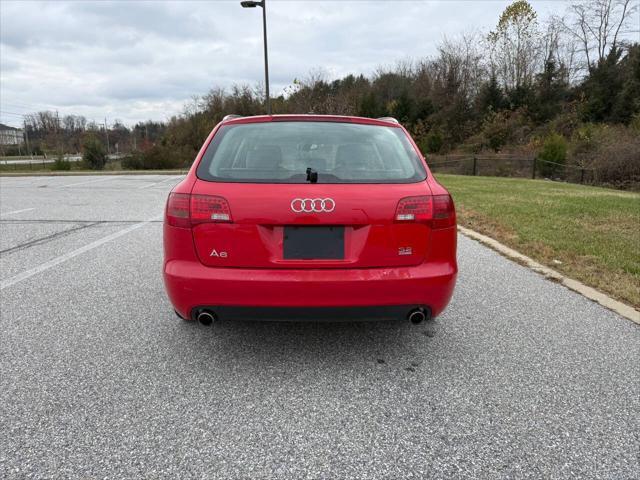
{"x": 417, "y": 316}
{"x": 206, "y": 318}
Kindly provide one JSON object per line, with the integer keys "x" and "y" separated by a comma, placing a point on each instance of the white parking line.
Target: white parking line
{"x": 18, "y": 211}
{"x": 161, "y": 181}
{"x": 68, "y": 256}
{"x": 88, "y": 181}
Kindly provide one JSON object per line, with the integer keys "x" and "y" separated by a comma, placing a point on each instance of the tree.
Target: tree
{"x": 611, "y": 92}
{"x": 550, "y": 92}
{"x": 403, "y": 108}
{"x": 369, "y": 106}
{"x": 627, "y": 104}
{"x": 597, "y": 25}
{"x": 515, "y": 45}
{"x": 490, "y": 98}
{"x": 562, "y": 49}
{"x": 456, "y": 74}
{"x": 93, "y": 152}
{"x": 459, "y": 68}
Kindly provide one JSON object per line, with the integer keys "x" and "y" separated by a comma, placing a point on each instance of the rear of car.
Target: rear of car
{"x": 309, "y": 217}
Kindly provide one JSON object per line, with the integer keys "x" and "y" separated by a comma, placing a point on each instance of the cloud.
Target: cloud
{"x": 136, "y": 60}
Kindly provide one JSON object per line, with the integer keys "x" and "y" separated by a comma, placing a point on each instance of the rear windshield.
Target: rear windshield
{"x": 281, "y": 152}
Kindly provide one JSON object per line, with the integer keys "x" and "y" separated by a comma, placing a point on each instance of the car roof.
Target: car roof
{"x": 309, "y": 117}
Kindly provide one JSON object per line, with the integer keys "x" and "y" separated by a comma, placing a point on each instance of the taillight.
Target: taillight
{"x": 185, "y": 210}
{"x": 414, "y": 209}
{"x": 207, "y": 208}
{"x": 444, "y": 212}
{"x": 437, "y": 211}
{"x": 178, "y": 210}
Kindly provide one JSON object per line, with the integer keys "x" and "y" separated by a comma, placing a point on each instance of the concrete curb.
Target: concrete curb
{"x": 92, "y": 173}
{"x": 620, "y": 308}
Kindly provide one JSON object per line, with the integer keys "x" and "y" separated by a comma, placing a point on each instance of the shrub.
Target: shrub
{"x": 158, "y": 157}
{"x": 554, "y": 150}
{"x": 495, "y": 132}
{"x": 61, "y": 163}
{"x": 93, "y": 153}
{"x": 565, "y": 124}
{"x": 618, "y": 163}
{"x": 502, "y": 129}
{"x": 433, "y": 142}
{"x": 134, "y": 161}
{"x": 612, "y": 151}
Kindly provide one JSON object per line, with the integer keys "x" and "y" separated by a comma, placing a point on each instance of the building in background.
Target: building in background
{"x": 10, "y": 136}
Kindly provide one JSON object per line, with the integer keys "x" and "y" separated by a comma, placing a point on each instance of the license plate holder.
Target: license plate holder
{"x": 313, "y": 243}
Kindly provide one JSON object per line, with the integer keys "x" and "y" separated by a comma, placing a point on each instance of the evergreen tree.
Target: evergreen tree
{"x": 491, "y": 97}
{"x": 602, "y": 87}
{"x": 551, "y": 91}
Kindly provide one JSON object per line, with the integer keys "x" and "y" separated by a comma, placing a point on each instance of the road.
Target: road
{"x": 520, "y": 378}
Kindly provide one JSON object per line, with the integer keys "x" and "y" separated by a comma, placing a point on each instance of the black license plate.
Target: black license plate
{"x": 313, "y": 243}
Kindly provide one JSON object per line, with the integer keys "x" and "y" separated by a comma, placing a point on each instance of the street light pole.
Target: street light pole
{"x": 266, "y": 57}
{"x": 263, "y": 4}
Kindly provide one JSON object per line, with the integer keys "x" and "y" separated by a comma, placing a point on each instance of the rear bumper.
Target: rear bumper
{"x": 191, "y": 285}
{"x": 312, "y": 314}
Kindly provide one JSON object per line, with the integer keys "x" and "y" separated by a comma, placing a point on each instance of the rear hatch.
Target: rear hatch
{"x": 348, "y": 226}
{"x": 310, "y": 194}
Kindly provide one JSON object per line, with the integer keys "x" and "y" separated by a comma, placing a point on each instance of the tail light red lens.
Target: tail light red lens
{"x": 178, "y": 210}
{"x": 444, "y": 212}
{"x": 185, "y": 210}
{"x": 208, "y": 208}
{"x": 414, "y": 209}
{"x": 437, "y": 211}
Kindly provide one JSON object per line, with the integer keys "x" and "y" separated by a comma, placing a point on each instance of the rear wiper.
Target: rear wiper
{"x": 312, "y": 175}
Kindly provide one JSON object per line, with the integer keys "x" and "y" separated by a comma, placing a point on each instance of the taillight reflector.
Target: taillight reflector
{"x": 185, "y": 210}
{"x": 437, "y": 211}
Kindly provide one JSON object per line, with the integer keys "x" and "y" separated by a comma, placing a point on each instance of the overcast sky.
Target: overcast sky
{"x": 138, "y": 60}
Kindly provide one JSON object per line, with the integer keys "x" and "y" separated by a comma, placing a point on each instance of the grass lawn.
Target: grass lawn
{"x": 593, "y": 232}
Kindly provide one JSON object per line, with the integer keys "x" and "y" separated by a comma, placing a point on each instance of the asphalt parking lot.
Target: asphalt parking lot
{"x": 520, "y": 378}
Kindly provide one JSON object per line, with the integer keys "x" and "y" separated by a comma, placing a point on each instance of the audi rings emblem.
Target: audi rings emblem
{"x": 313, "y": 205}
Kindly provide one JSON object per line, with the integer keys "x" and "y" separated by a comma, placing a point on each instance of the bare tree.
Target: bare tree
{"x": 598, "y": 24}
{"x": 561, "y": 48}
{"x": 460, "y": 64}
{"x": 515, "y": 45}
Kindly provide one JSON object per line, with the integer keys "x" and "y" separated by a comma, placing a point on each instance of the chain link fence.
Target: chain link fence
{"x": 519, "y": 166}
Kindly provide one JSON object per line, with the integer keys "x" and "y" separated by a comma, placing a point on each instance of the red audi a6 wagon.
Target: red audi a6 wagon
{"x": 309, "y": 217}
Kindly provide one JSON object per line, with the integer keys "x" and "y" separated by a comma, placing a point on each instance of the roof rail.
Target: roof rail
{"x": 388, "y": 119}
{"x": 230, "y": 117}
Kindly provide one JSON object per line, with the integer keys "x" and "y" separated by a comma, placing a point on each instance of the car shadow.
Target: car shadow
{"x": 295, "y": 345}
